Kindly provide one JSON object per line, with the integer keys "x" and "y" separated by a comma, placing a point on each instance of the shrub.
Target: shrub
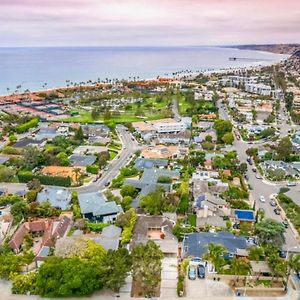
{"x": 26, "y": 126}
{"x": 96, "y": 227}
{"x": 164, "y": 179}
{"x": 128, "y": 228}
{"x": 128, "y": 190}
{"x": 93, "y": 169}
{"x": 9, "y": 199}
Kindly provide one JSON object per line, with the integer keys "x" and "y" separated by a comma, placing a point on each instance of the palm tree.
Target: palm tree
{"x": 77, "y": 173}
{"x": 239, "y": 266}
{"x": 256, "y": 253}
{"x": 215, "y": 255}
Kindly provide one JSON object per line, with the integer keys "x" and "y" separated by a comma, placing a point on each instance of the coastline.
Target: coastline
{"x": 180, "y": 74}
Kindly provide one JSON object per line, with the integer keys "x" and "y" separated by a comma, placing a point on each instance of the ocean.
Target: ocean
{"x": 44, "y": 68}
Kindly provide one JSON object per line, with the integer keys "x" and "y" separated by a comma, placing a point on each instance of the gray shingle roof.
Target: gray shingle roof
{"x": 97, "y": 204}
{"x": 142, "y": 163}
{"x": 82, "y": 160}
{"x": 196, "y": 244}
{"x": 57, "y": 197}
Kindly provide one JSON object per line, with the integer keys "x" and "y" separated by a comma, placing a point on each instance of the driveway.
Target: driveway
{"x": 169, "y": 278}
{"x": 200, "y": 288}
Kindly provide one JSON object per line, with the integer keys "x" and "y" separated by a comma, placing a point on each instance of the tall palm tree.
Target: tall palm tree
{"x": 77, "y": 173}
{"x": 239, "y": 266}
{"x": 215, "y": 255}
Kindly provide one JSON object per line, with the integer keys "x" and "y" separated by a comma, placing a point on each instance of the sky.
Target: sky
{"x": 148, "y": 22}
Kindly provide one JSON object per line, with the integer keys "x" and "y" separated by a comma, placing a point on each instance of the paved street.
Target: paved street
{"x": 261, "y": 187}
{"x": 129, "y": 148}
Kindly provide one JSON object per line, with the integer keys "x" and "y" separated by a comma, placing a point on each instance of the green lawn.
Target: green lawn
{"x": 151, "y": 109}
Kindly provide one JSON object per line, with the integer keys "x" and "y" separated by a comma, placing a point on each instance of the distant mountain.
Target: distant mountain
{"x": 275, "y": 48}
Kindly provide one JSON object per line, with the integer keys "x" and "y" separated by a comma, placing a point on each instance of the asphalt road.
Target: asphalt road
{"x": 130, "y": 146}
{"x": 261, "y": 187}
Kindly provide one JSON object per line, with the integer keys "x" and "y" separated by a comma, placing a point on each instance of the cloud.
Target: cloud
{"x": 144, "y": 22}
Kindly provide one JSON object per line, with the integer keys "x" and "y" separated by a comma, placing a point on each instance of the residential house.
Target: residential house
{"x": 46, "y": 231}
{"x": 209, "y": 132}
{"x": 148, "y": 182}
{"x": 157, "y": 229}
{"x": 196, "y": 244}
{"x": 95, "y": 207}
{"x": 290, "y": 169}
{"x": 143, "y": 163}
{"x": 62, "y": 171}
{"x": 109, "y": 238}
{"x": 23, "y": 143}
{"x": 89, "y": 150}
{"x": 164, "y": 152}
{"x": 57, "y": 197}
{"x": 82, "y": 160}
{"x": 97, "y": 133}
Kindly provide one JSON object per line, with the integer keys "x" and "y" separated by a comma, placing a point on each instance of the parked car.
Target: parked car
{"x": 197, "y": 260}
{"x": 277, "y": 211}
{"x": 298, "y": 274}
{"x": 258, "y": 176}
{"x": 273, "y": 203}
{"x": 106, "y": 168}
{"x": 107, "y": 183}
{"x": 282, "y": 253}
{"x": 192, "y": 273}
{"x": 262, "y": 199}
{"x": 254, "y": 170}
{"x": 291, "y": 184}
{"x": 201, "y": 271}
{"x": 285, "y": 223}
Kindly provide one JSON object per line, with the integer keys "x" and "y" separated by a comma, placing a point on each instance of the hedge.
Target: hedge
{"x": 24, "y": 177}
{"x": 26, "y": 126}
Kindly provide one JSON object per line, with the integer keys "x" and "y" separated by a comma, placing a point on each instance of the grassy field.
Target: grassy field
{"x": 150, "y": 109}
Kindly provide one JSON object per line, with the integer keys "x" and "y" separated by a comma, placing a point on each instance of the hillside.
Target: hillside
{"x": 275, "y": 48}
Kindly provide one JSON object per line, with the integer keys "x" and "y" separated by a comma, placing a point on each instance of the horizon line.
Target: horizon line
{"x": 150, "y": 46}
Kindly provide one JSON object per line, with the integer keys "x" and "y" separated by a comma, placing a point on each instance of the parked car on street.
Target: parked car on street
{"x": 273, "y": 203}
{"x": 291, "y": 184}
{"x": 262, "y": 199}
{"x": 201, "y": 271}
{"x": 277, "y": 211}
{"x": 192, "y": 273}
{"x": 285, "y": 223}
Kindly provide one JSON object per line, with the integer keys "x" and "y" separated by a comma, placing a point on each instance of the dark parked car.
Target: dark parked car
{"x": 192, "y": 273}
{"x": 277, "y": 211}
{"x": 282, "y": 253}
{"x": 254, "y": 170}
{"x": 201, "y": 271}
